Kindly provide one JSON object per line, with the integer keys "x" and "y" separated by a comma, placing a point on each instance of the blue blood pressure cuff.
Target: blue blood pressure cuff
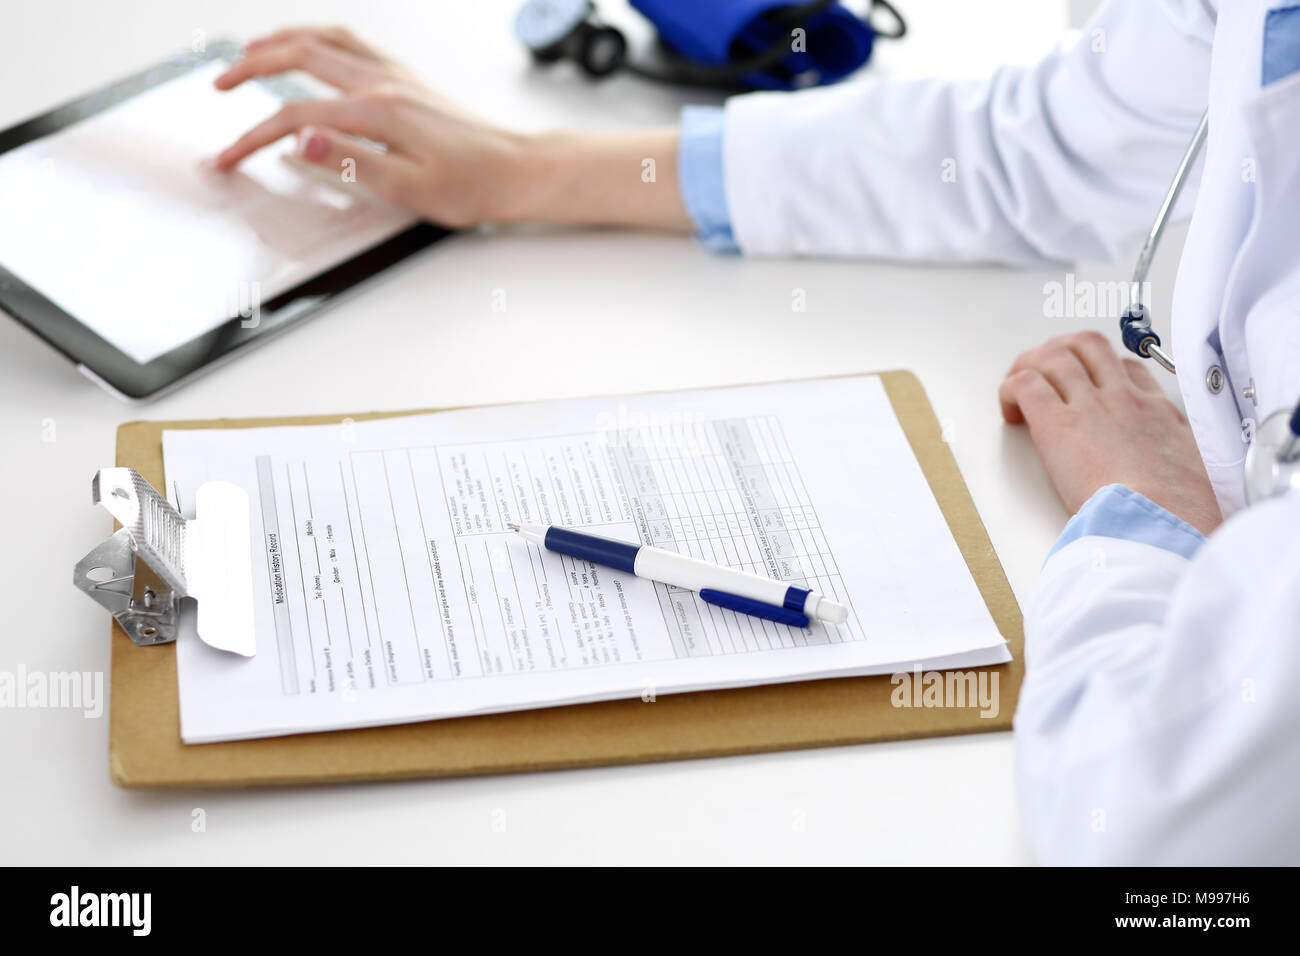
{"x": 834, "y": 42}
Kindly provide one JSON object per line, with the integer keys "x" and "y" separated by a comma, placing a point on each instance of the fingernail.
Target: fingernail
{"x": 312, "y": 145}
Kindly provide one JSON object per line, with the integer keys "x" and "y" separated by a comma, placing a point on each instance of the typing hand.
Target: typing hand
{"x": 438, "y": 161}
{"x": 1098, "y": 420}
{"x": 445, "y": 164}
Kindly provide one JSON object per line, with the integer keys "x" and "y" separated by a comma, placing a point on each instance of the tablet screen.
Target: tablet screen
{"x": 120, "y": 221}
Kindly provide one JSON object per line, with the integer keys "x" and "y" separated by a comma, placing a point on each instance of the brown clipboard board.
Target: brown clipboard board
{"x": 145, "y": 748}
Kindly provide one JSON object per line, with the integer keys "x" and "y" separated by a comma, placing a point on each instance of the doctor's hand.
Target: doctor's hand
{"x": 444, "y": 163}
{"x": 1098, "y": 420}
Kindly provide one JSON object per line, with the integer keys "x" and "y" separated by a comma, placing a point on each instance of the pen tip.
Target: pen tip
{"x": 512, "y": 526}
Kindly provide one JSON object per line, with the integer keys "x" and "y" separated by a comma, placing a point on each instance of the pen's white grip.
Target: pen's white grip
{"x": 696, "y": 575}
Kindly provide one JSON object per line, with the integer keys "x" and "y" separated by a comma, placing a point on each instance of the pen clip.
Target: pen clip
{"x": 760, "y": 609}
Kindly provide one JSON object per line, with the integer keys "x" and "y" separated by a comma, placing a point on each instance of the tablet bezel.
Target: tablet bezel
{"x": 100, "y": 358}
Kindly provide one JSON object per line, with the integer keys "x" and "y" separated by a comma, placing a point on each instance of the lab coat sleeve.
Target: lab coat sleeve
{"x": 1060, "y": 161}
{"x": 1156, "y": 723}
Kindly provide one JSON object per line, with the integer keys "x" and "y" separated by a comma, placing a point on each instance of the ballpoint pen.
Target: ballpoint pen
{"x": 725, "y": 587}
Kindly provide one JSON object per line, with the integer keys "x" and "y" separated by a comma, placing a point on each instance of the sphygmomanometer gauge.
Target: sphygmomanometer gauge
{"x": 567, "y": 29}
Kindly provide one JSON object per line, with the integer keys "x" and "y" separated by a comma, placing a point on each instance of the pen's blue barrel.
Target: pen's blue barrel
{"x": 768, "y": 612}
{"x": 589, "y": 547}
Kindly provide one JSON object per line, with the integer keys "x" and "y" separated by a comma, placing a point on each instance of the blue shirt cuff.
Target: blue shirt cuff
{"x": 1281, "y": 44}
{"x": 1116, "y": 511}
{"x": 700, "y": 175}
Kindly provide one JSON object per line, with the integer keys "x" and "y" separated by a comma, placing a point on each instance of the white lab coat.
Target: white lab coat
{"x": 1160, "y": 718}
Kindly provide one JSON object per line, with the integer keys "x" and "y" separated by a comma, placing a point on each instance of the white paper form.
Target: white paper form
{"x": 389, "y": 589}
{"x": 119, "y": 220}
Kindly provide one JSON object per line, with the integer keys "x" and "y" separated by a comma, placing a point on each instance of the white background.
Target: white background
{"x": 427, "y": 336}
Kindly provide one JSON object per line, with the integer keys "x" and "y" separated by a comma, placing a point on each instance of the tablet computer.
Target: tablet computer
{"x": 121, "y": 247}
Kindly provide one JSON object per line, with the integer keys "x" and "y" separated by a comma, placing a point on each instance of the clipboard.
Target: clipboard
{"x": 145, "y": 749}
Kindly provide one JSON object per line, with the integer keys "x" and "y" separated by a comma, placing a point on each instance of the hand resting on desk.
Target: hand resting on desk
{"x": 1097, "y": 419}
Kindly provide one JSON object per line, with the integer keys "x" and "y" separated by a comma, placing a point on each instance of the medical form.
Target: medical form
{"x": 388, "y": 587}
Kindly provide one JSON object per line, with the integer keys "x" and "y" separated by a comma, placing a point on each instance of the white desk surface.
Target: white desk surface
{"x": 427, "y": 336}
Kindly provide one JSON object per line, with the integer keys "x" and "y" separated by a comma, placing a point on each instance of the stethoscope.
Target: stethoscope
{"x": 1273, "y": 458}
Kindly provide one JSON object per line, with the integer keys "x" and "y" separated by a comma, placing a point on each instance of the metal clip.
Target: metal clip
{"x": 142, "y": 572}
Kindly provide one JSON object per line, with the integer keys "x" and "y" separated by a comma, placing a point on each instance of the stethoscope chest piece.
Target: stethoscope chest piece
{"x": 1273, "y": 458}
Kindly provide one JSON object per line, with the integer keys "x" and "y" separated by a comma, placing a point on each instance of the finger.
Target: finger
{"x": 1098, "y": 357}
{"x": 341, "y": 37}
{"x": 1060, "y": 366}
{"x": 1027, "y": 395}
{"x": 349, "y": 115}
{"x": 1141, "y": 376}
{"x": 339, "y": 68}
{"x": 387, "y": 176}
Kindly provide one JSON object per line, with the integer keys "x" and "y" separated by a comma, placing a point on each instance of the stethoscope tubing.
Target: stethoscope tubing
{"x": 1263, "y": 465}
{"x": 1149, "y": 346}
{"x": 1171, "y": 198}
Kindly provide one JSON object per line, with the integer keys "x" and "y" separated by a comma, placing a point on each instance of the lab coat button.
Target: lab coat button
{"x": 1249, "y": 392}
{"x": 1214, "y": 379}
